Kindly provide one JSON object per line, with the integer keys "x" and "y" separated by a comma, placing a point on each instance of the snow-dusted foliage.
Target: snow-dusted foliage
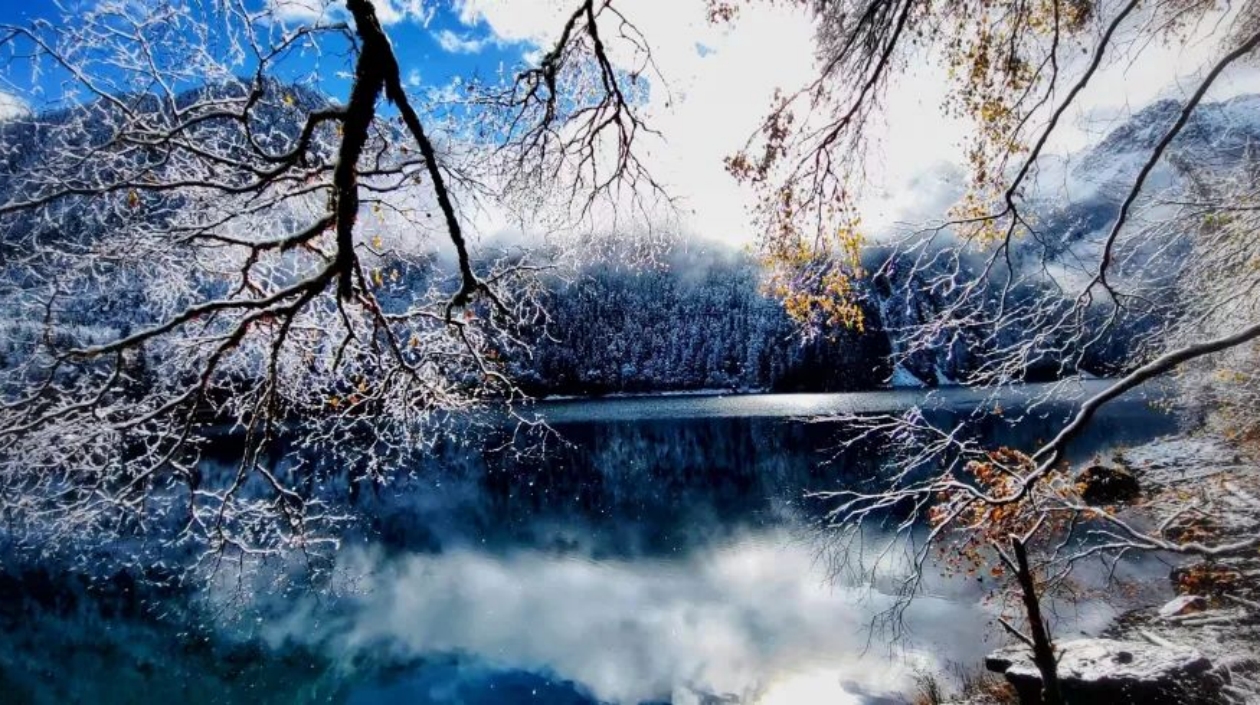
{"x": 1217, "y": 217}
{"x": 192, "y": 244}
{"x": 701, "y": 320}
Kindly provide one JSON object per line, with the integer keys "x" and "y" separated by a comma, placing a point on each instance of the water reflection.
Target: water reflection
{"x": 742, "y": 621}
{"x": 663, "y": 555}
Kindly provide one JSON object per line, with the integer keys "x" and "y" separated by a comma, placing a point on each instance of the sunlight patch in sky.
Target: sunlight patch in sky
{"x": 720, "y": 81}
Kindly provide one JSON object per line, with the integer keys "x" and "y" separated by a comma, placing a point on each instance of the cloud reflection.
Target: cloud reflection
{"x": 754, "y": 620}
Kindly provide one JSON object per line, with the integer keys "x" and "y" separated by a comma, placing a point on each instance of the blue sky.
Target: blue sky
{"x": 433, "y": 43}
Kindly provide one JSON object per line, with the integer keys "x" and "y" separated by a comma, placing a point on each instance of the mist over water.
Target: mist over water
{"x": 663, "y": 554}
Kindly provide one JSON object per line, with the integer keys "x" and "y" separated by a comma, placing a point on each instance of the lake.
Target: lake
{"x": 660, "y": 550}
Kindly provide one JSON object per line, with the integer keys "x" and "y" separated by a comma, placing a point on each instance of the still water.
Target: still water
{"x": 661, "y": 550}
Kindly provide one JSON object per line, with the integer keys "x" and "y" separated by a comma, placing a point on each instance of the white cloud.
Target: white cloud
{"x": 413, "y": 78}
{"x": 718, "y": 84}
{"x": 304, "y": 10}
{"x": 512, "y": 21}
{"x": 12, "y": 107}
{"x": 387, "y": 11}
{"x": 459, "y": 44}
{"x": 394, "y": 11}
{"x": 714, "y": 99}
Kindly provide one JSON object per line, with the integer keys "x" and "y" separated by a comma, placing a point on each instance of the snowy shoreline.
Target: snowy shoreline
{"x": 1224, "y": 625}
{"x": 1207, "y": 609}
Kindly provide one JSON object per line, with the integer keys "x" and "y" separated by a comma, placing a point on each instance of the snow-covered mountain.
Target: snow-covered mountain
{"x": 703, "y": 322}
{"x": 1073, "y": 203}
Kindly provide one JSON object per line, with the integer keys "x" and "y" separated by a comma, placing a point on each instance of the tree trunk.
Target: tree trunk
{"x": 1043, "y": 649}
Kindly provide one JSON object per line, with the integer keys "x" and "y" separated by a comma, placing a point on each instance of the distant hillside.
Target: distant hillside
{"x": 700, "y": 321}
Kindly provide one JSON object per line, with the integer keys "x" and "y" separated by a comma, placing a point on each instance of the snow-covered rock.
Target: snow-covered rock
{"x": 904, "y": 379}
{"x": 1115, "y": 673}
{"x": 1184, "y": 604}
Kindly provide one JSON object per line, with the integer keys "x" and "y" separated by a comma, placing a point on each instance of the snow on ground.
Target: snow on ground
{"x": 1205, "y": 489}
{"x": 904, "y": 379}
{"x": 1211, "y": 490}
